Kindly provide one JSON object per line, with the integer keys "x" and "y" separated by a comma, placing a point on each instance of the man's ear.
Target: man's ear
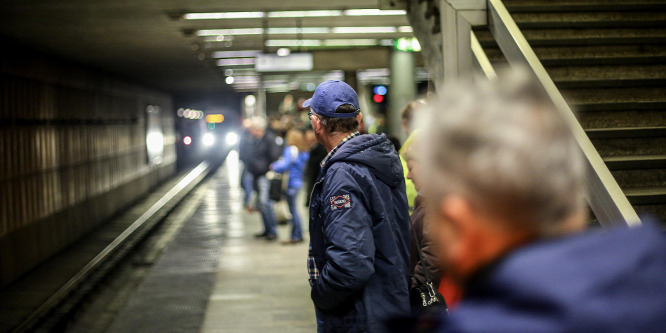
{"x": 316, "y": 125}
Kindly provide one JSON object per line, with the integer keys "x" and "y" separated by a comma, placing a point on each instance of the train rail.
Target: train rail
{"x": 53, "y": 314}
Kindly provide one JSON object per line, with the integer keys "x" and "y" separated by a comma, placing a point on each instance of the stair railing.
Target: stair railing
{"x": 463, "y": 53}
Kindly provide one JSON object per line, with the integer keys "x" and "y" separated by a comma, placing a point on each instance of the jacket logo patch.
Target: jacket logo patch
{"x": 340, "y": 201}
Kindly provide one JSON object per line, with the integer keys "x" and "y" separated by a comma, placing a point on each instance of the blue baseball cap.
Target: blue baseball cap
{"x": 329, "y": 96}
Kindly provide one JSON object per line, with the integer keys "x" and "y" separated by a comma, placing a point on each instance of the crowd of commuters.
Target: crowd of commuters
{"x": 485, "y": 202}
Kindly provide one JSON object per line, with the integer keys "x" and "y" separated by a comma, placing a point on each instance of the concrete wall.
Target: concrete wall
{"x": 72, "y": 153}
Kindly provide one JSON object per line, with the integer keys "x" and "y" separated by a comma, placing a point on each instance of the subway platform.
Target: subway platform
{"x": 215, "y": 276}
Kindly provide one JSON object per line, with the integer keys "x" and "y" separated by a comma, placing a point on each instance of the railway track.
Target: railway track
{"x": 57, "y": 310}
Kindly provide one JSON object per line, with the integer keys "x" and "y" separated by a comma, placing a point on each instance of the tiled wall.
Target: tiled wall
{"x": 72, "y": 153}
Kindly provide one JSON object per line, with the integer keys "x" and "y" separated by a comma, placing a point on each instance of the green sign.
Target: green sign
{"x": 410, "y": 44}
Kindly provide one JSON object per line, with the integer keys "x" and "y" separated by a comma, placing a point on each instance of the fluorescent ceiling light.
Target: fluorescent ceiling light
{"x": 293, "y": 42}
{"x": 305, "y": 13}
{"x": 361, "y": 30}
{"x": 325, "y": 42}
{"x": 350, "y": 42}
{"x": 215, "y": 32}
{"x": 223, "y": 15}
{"x": 283, "y": 52}
{"x": 246, "y": 79}
{"x": 218, "y": 39}
{"x": 373, "y": 12}
{"x": 291, "y": 13}
{"x": 235, "y": 62}
{"x": 302, "y": 30}
{"x": 235, "y": 54}
{"x": 308, "y": 30}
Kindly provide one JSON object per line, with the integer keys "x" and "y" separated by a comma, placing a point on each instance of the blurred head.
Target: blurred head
{"x": 296, "y": 138}
{"x": 407, "y": 115}
{"x": 258, "y": 126}
{"x": 310, "y": 137}
{"x": 503, "y": 170}
{"x": 413, "y": 164}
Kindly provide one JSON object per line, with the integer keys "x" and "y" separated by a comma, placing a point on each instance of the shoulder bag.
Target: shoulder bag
{"x": 424, "y": 298}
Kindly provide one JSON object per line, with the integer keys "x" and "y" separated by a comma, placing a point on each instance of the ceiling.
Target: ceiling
{"x": 151, "y": 41}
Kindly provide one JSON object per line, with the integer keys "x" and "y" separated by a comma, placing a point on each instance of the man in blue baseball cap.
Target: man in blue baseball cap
{"x": 359, "y": 220}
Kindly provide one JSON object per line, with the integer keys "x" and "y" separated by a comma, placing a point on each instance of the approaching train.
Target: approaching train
{"x": 205, "y": 136}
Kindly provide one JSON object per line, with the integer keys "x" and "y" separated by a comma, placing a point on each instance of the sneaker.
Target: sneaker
{"x": 271, "y": 237}
{"x": 261, "y": 235}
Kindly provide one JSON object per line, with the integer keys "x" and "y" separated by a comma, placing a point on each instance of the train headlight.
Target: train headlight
{"x": 208, "y": 139}
{"x": 231, "y": 139}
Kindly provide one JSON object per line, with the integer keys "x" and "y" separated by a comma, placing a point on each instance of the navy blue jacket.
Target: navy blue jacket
{"x": 601, "y": 281}
{"x": 359, "y": 233}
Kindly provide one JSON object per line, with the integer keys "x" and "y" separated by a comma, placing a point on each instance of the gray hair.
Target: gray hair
{"x": 505, "y": 147}
{"x": 258, "y": 123}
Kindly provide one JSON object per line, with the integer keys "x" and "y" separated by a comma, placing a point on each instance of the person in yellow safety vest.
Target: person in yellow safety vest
{"x": 407, "y": 126}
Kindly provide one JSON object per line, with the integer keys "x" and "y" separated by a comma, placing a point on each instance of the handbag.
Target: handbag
{"x": 424, "y": 298}
{"x": 275, "y": 188}
{"x": 279, "y": 181}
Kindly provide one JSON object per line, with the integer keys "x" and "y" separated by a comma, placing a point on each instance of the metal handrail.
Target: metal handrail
{"x": 481, "y": 58}
{"x": 605, "y": 197}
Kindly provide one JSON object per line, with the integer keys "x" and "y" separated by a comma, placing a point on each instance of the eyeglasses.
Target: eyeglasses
{"x": 310, "y": 114}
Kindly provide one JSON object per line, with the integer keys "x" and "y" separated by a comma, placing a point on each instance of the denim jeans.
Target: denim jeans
{"x": 266, "y": 206}
{"x": 247, "y": 183}
{"x": 296, "y": 229}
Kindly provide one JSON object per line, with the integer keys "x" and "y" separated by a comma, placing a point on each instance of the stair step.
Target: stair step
{"x": 580, "y": 37}
{"x": 620, "y": 118}
{"x": 623, "y": 146}
{"x": 635, "y": 162}
{"x": 616, "y": 98}
{"x": 626, "y": 132}
{"x": 554, "y": 56}
{"x": 632, "y": 178}
{"x": 516, "y": 6}
{"x": 608, "y": 76}
{"x": 646, "y": 195}
{"x": 592, "y": 19}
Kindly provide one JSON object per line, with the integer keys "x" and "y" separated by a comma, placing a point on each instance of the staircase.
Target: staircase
{"x": 608, "y": 58}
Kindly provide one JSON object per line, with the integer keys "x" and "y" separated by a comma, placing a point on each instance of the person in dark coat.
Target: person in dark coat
{"x": 263, "y": 151}
{"x": 244, "y": 154}
{"x": 424, "y": 266}
{"x": 506, "y": 210}
{"x": 359, "y": 220}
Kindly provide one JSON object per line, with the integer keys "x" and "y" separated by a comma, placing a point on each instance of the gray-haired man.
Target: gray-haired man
{"x": 506, "y": 208}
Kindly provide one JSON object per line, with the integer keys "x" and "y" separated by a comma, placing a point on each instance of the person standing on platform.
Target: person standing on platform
{"x": 407, "y": 115}
{"x": 506, "y": 208}
{"x": 292, "y": 162}
{"x": 244, "y": 154}
{"x": 423, "y": 266}
{"x": 359, "y": 221}
{"x": 262, "y": 153}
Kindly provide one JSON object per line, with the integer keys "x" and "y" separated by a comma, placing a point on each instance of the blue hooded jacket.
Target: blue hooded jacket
{"x": 600, "y": 281}
{"x": 292, "y": 161}
{"x": 359, "y": 234}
